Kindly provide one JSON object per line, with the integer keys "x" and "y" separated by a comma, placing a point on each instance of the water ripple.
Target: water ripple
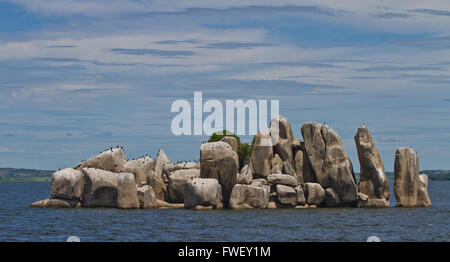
{"x": 20, "y": 223}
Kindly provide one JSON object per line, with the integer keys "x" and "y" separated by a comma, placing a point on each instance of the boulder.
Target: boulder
{"x": 202, "y": 192}
{"x": 232, "y": 141}
{"x": 362, "y": 197}
{"x": 248, "y": 196}
{"x": 286, "y": 195}
{"x": 284, "y": 128}
{"x": 373, "y": 203}
{"x": 161, "y": 160}
{"x": 100, "y": 188}
{"x": 127, "y": 195}
{"x": 331, "y": 164}
{"x": 219, "y": 161}
{"x": 158, "y": 185}
{"x": 177, "y": 181}
{"x": 276, "y": 170}
{"x": 314, "y": 193}
{"x": 67, "y": 184}
{"x": 245, "y": 176}
{"x": 259, "y": 182}
{"x": 203, "y": 207}
{"x": 410, "y": 189}
{"x": 423, "y": 200}
{"x": 272, "y": 205}
{"x": 169, "y": 168}
{"x": 262, "y": 153}
{"x": 308, "y": 172}
{"x": 373, "y": 181}
{"x": 300, "y": 196}
{"x": 147, "y": 197}
{"x": 298, "y": 166}
{"x": 283, "y": 147}
{"x": 56, "y": 203}
{"x": 364, "y": 201}
{"x": 306, "y": 206}
{"x": 276, "y": 161}
{"x": 288, "y": 169}
{"x": 331, "y": 198}
{"x": 161, "y": 204}
{"x": 281, "y": 179}
{"x": 111, "y": 160}
{"x": 140, "y": 167}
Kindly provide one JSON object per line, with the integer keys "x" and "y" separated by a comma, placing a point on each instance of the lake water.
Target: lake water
{"x": 18, "y": 222}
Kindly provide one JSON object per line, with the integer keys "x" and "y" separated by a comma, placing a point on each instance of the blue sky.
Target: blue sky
{"x": 78, "y": 76}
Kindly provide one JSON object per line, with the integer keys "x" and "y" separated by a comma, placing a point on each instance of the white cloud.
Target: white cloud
{"x": 4, "y": 149}
{"x": 122, "y": 6}
{"x": 147, "y": 49}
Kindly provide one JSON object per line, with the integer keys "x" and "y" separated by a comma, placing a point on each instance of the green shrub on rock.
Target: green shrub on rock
{"x": 244, "y": 150}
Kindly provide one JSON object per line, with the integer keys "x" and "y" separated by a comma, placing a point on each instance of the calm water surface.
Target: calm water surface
{"x": 18, "y": 222}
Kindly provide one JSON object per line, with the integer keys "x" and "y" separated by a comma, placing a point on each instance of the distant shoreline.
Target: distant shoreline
{"x": 35, "y": 175}
{"x": 25, "y": 175}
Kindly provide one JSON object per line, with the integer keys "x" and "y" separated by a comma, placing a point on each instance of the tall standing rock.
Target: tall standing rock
{"x": 276, "y": 161}
{"x": 373, "y": 181}
{"x": 300, "y": 196}
{"x": 158, "y": 185}
{"x": 283, "y": 147}
{"x": 232, "y": 141}
{"x": 262, "y": 154}
{"x": 161, "y": 160}
{"x": 423, "y": 200}
{"x": 409, "y": 188}
{"x": 245, "y": 176}
{"x": 147, "y": 197}
{"x": 127, "y": 195}
{"x": 308, "y": 172}
{"x": 298, "y": 160}
{"x": 330, "y": 162}
{"x": 219, "y": 161}
{"x": 289, "y": 169}
{"x": 111, "y": 160}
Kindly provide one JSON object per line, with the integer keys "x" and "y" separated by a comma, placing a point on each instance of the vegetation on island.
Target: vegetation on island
{"x": 244, "y": 150}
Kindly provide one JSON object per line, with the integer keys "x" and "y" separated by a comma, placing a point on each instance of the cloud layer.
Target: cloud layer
{"x": 80, "y": 76}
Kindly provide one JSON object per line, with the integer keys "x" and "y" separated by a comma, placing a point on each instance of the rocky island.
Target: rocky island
{"x": 315, "y": 172}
